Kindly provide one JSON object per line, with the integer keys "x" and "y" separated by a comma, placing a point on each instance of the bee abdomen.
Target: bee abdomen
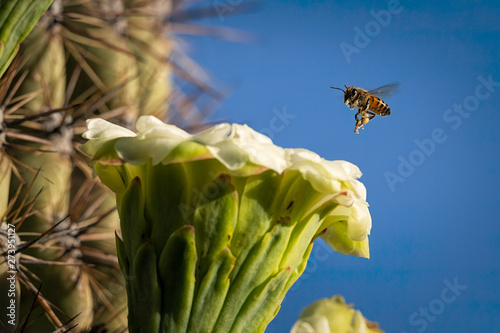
{"x": 378, "y": 106}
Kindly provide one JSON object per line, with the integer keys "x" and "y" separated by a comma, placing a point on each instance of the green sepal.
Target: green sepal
{"x": 177, "y": 268}
{"x": 107, "y": 153}
{"x": 123, "y": 260}
{"x": 260, "y": 303}
{"x": 297, "y": 272}
{"x": 214, "y": 221}
{"x": 124, "y": 263}
{"x": 265, "y": 322}
{"x": 166, "y": 189}
{"x": 200, "y": 185}
{"x": 296, "y": 197}
{"x": 145, "y": 303}
{"x": 111, "y": 177}
{"x": 134, "y": 227}
{"x": 254, "y": 215}
{"x": 187, "y": 151}
{"x": 304, "y": 234}
{"x": 211, "y": 293}
{"x": 292, "y": 278}
{"x": 262, "y": 262}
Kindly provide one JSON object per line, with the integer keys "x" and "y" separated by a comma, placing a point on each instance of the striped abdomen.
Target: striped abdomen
{"x": 378, "y": 106}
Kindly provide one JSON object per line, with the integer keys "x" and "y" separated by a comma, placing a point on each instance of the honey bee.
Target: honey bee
{"x": 367, "y": 103}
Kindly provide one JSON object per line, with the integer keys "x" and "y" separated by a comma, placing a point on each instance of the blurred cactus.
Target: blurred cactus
{"x": 111, "y": 58}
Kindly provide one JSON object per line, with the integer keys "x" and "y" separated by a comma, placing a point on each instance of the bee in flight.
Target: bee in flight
{"x": 367, "y": 103}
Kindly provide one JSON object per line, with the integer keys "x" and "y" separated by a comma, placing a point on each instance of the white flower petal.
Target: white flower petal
{"x": 214, "y": 134}
{"x": 101, "y": 131}
{"x": 343, "y": 169}
{"x": 318, "y": 176}
{"x": 150, "y": 127}
{"x": 247, "y": 134}
{"x": 359, "y": 189}
{"x": 359, "y": 221}
{"x": 259, "y": 148}
{"x": 236, "y": 145}
{"x": 138, "y": 151}
{"x": 229, "y": 154}
{"x": 312, "y": 324}
{"x": 296, "y": 155}
{"x": 333, "y": 315}
{"x": 303, "y": 327}
{"x": 324, "y": 175}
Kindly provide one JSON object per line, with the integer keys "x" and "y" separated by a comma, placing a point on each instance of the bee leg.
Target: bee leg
{"x": 360, "y": 121}
{"x": 357, "y": 114}
{"x": 366, "y": 116}
{"x": 359, "y": 124}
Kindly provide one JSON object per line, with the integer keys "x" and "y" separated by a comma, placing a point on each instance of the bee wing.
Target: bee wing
{"x": 386, "y": 90}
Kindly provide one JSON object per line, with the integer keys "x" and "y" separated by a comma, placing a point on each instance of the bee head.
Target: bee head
{"x": 350, "y": 95}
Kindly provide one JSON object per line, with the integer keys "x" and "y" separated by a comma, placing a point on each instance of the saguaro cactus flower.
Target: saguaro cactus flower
{"x": 216, "y": 227}
{"x": 333, "y": 315}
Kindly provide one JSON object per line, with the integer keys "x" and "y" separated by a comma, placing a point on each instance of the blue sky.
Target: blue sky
{"x": 432, "y": 170}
